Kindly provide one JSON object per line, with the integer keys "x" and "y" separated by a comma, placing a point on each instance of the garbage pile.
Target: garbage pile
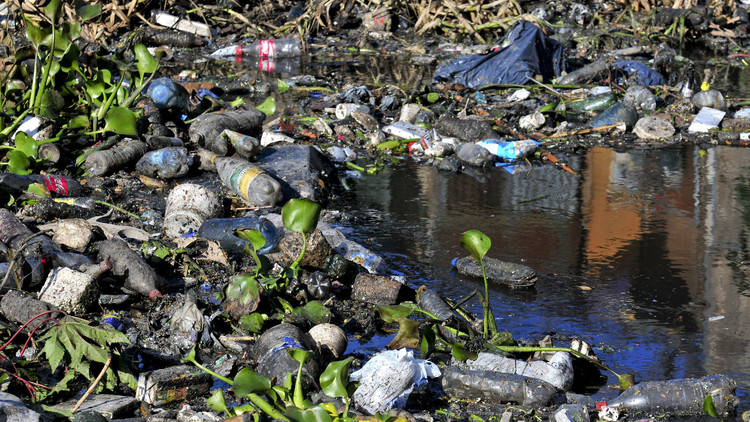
{"x": 182, "y": 260}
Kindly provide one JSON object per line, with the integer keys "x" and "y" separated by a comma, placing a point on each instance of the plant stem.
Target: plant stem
{"x": 93, "y": 385}
{"x": 485, "y": 303}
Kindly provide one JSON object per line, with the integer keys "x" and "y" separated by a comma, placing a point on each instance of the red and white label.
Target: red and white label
{"x": 57, "y": 184}
{"x": 265, "y": 64}
{"x": 265, "y": 48}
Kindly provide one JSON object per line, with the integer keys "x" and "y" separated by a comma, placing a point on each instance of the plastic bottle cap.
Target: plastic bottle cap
{"x": 453, "y": 262}
{"x": 154, "y": 294}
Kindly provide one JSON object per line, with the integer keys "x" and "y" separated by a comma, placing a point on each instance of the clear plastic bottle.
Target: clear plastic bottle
{"x": 222, "y": 231}
{"x": 251, "y": 182}
{"x": 710, "y": 98}
{"x": 283, "y": 47}
{"x": 165, "y": 163}
{"x": 679, "y": 396}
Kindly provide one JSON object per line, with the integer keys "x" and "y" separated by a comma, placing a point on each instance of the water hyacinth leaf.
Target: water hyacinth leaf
{"x": 429, "y": 337}
{"x": 313, "y": 414}
{"x": 334, "y": 379}
{"x": 268, "y": 107}
{"x": 407, "y": 336}
{"x": 217, "y": 402}
{"x": 301, "y": 215}
{"x": 15, "y": 85}
{"x": 39, "y": 189}
{"x": 248, "y": 381}
{"x": 392, "y": 313}
{"x": 86, "y": 11}
{"x": 26, "y": 144}
{"x": 252, "y": 322}
{"x": 36, "y": 35}
{"x": 122, "y": 121}
{"x": 476, "y": 243}
{"x": 52, "y": 9}
{"x": 145, "y": 61}
{"x": 18, "y": 162}
{"x": 52, "y": 103}
{"x": 281, "y": 86}
{"x": 78, "y": 122}
{"x": 299, "y": 355}
{"x": 255, "y": 237}
{"x": 709, "y": 407}
{"x": 432, "y": 97}
{"x": 313, "y": 311}
{"x": 245, "y": 289}
{"x": 388, "y": 145}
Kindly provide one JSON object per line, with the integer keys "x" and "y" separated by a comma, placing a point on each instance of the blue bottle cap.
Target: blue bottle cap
{"x": 453, "y": 262}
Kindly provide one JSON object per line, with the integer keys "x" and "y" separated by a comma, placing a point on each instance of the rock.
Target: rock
{"x": 474, "y": 155}
{"x": 380, "y": 290}
{"x": 110, "y": 406}
{"x": 75, "y": 233}
{"x": 71, "y": 291}
{"x": 13, "y": 409}
{"x": 653, "y": 128}
{"x": 316, "y": 252}
{"x": 571, "y": 413}
{"x": 302, "y": 170}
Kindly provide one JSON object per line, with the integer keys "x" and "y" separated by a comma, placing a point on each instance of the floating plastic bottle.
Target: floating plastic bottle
{"x": 474, "y": 154}
{"x": 165, "y": 163}
{"x": 168, "y": 95}
{"x": 558, "y": 371}
{"x": 679, "y": 397}
{"x": 246, "y": 146}
{"x": 56, "y": 184}
{"x": 428, "y": 300}
{"x": 102, "y": 162}
{"x": 222, "y": 231}
{"x": 251, "y": 182}
{"x": 284, "y": 47}
{"x": 508, "y": 273}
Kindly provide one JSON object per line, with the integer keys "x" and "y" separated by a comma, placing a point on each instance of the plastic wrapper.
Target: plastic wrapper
{"x": 388, "y": 378}
{"x": 510, "y": 150}
{"x": 524, "y": 53}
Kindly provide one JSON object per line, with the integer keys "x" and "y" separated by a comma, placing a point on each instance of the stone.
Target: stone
{"x": 111, "y": 406}
{"x": 71, "y": 291}
{"x": 316, "y": 252}
{"x": 75, "y": 233}
{"x": 653, "y": 128}
{"x": 13, "y": 409}
{"x": 571, "y": 413}
{"x": 380, "y": 290}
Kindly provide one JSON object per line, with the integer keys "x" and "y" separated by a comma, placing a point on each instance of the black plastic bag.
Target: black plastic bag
{"x": 525, "y": 52}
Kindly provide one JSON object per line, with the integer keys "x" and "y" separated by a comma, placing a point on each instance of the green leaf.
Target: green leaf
{"x": 18, "y": 162}
{"x": 145, "y": 61}
{"x": 217, "y": 402}
{"x": 87, "y": 11}
{"x": 708, "y": 406}
{"x": 26, "y": 144}
{"x": 299, "y": 355}
{"x": 432, "y": 97}
{"x": 460, "y": 353}
{"x": 255, "y": 237}
{"x": 334, "y": 379}
{"x": 281, "y": 86}
{"x": 407, "y": 336}
{"x": 39, "y": 190}
{"x": 301, "y": 215}
{"x": 392, "y": 313}
{"x": 36, "y": 35}
{"x": 429, "y": 337}
{"x": 477, "y": 243}
{"x": 313, "y": 414}
{"x": 245, "y": 289}
{"x": 313, "y": 311}
{"x": 388, "y": 145}
{"x": 52, "y": 104}
{"x": 52, "y": 9}
{"x": 122, "y": 121}
{"x": 268, "y": 106}
{"x": 78, "y": 122}
{"x": 252, "y": 322}
{"x": 248, "y": 381}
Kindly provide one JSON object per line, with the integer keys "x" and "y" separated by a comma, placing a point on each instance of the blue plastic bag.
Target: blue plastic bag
{"x": 525, "y": 52}
{"x": 638, "y": 73}
{"x": 510, "y": 150}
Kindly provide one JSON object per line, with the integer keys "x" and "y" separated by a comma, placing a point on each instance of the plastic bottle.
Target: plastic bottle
{"x": 274, "y": 362}
{"x": 60, "y": 185}
{"x": 139, "y": 276}
{"x": 20, "y": 308}
{"x": 15, "y": 235}
{"x": 168, "y": 95}
{"x": 101, "y": 162}
{"x": 318, "y": 284}
{"x": 619, "y": 112}
{"x": 283, "y": 47}
{"x": 507, "y": 273}
{"x": 32, "y": 274}
{"x": 497, "y": 387}
{"x": 83, "y": 202}
{"x": 253, "y": 184}
{"x": 641, "y": 97}
{"x": 593, "y": 103}
{"x": 431, "y": 302}
{"x": 222, "y": 231}
{"x": 206, "y": 128}
{"x": 474, "y": 154}
{"x": 158, "y": 142}
{"x": 246, "y": 146}
{"x": 558, "y": 371}
{"x": 679, "y": 396}
{"x": 72, "y": 260}
{"x": 165, "y": 163}
{"x": 710, "y": 98}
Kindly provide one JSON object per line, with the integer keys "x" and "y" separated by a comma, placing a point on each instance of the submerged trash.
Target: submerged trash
{"x": 506, "y": 273}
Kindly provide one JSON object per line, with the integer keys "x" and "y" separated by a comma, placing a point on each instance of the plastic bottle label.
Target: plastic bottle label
{"x": 57, "y": 184}
{"x": 265, "y": 48}
{"x": 241, "y": 179}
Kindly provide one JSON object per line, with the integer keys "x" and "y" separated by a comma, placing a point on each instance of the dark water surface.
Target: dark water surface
{"x": 641, "y": 255}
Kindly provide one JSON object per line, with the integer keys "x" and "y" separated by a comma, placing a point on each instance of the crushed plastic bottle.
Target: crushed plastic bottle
{"x": 165, "y": 163}
{"x": 508, "y": 273}
{"x": 558, "y": 371}
{"x": 388, "y": 378}
{"x": 620, "y": 112}
{"x": 246, "y": 146}
{"x": 59, "y": 185}
{"x": 710, "y": 98}
{"x": 102, "y": 162}
{"x": 640, "y": 97}
{"x": 497, "y": 387}
{"x": 168, "y": 95}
